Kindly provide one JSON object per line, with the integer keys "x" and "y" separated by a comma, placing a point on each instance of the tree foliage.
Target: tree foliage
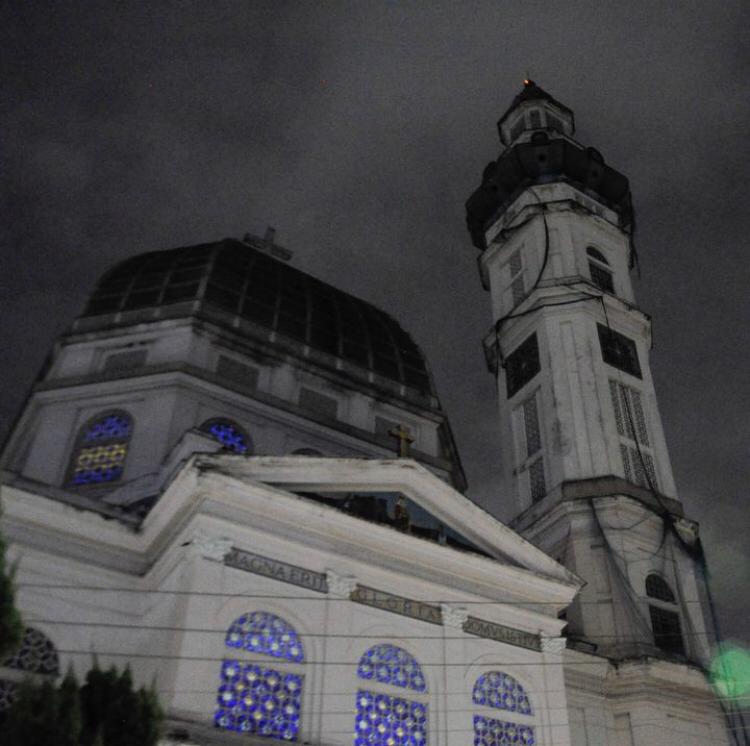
{"x": 11, "y": 626}
{"x": 105, "y": 711}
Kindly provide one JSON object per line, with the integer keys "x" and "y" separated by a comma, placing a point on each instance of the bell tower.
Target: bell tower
{"x": 583, "y": 444}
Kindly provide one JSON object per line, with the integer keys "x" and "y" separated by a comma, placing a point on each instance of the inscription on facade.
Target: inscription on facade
{"x": 500, "y": 633}
{"x": 362, "y": 594}
{"x": 271, "y": 568}
{"x": 397, "y": 604}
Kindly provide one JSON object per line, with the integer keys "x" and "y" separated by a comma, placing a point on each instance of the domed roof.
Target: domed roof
{"x": 234, "y": 283}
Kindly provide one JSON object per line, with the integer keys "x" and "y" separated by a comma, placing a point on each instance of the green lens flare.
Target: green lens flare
{"x": 730, "y": 671}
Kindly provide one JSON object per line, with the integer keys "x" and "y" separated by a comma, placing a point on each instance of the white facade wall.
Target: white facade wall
{"x": 161, "y": 598}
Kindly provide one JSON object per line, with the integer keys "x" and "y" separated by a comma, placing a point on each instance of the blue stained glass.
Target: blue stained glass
{"x": 262, "y": 632}
{"x": 491, "y": 732}
{"x": 389, "y": 664}
{"x": 383, "y": 720}
{"x": 110, "y": 427}
{"x": 499, "y": 690}
{"x": 253, "y": 699}
{"x": 102, "y": 450}
{"x": 229, "y": 436}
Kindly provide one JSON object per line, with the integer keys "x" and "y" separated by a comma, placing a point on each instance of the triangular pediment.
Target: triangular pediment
{"x": 310, "y": 475}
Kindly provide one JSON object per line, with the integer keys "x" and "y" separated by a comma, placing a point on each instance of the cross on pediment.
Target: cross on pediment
{"x": 403, "y": 435}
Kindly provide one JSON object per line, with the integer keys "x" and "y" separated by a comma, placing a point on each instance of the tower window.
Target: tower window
{"x": 517, "y": 128}
{"x": 665, "y": 617}
{"x": 101, "y": 449}
{"x": 597, "y": 255}
{"x": 522, "y": 365}
{"x": 515, "y": 267}
{"x": 230, "y": 435}
{"x": 619, "y": 351}
{"x": 535, "y": 119}
{"x": 554, "y": 123}
{"x": 601, "y": 274}
{"x": 531, "y": 459}
{"x": 635, "y": 443}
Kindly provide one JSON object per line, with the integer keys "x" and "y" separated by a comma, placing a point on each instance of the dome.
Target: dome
{"x": 235, "y": 284}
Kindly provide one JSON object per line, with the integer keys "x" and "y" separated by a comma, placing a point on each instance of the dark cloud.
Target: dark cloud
{"x": 358, "y": 130}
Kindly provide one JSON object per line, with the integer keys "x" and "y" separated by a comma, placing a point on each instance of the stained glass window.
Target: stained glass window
{"x": 37, "y": 655}
{"x": 499, "y": 690}
{"x": 383, "y": 719}
{"x": 231, "y": 436}
{"x": 389, "y": 664}
{"x": 502, "y": 692}
{"x": 491, "y": 732}
{"x": 101, "y": 450}
{"x": 254, "y": 698}
{"x": 261, "y": 632}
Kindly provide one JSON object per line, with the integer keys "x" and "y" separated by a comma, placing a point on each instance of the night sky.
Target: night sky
{"x": 358, "y": 130}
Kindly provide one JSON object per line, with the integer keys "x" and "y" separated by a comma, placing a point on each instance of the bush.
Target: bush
{"x": 11, "y": 626}
{"x": 105, "y": 711}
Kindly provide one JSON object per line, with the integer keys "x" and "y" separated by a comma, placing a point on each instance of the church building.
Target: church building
{"x": 241, "y": 482}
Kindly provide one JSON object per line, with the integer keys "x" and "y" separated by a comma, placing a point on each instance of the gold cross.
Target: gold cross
{"x": 404, "y": 440}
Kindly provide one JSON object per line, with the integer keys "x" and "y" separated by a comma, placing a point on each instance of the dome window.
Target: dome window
{"x": 230, "y": 435}
{"x": 101, "y": 449}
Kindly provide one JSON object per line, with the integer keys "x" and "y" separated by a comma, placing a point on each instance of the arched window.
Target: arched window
{"x": 382, "y": 718}
{"x": 101, "y": 449}
{"x": 601, "y": 274}
{"x": 500, "y": 691}
{"x": 259, "y": 698}
{"x": 37, "y": 655}
{"x": 665, "y": 615}
{"x": 596, "y": 254}
{"x": 229, "y": 434}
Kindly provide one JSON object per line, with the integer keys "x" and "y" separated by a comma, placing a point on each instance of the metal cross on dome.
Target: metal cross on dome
{"x": 404, "y": 440}
{"x": 268, "y": 244}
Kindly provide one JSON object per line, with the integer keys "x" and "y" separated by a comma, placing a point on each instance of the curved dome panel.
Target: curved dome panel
{"x": 249, "y": 285}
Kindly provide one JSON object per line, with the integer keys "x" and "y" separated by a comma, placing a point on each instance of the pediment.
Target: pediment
{"x": 309, "y": 475}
